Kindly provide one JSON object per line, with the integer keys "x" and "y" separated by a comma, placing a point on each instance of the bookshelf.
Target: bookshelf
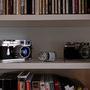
{"x": 30, "y": 26}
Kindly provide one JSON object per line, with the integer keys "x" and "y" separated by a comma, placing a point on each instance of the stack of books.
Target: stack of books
{"x": 44, "y": 7}
{"x": 29, "y": 81}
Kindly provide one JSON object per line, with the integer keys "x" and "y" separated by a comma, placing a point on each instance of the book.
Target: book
{"x": 76, "y": 6}
{"x": 10, "y": 7}
{"x": 67, "y": 6}
{"x": 46, "y": 6}
{"x": 70, "y": 7}
{"x": 82, "y": 10}
{"x": 22, "y": 7}
{"x": 1, "y": 7}
{"x": 88, "y": 6}
{"x": 85, "y": 6}
{"x": 56, "y": 6}
{"x": 37, "y": 7}
{"x": 33, "y": 7}
{"x": 53, "y": 7}
{"x": 8, "y": 81}
{"x": 64, "y": 6}
{"x": 73, "y": 6}
{"x": 36, "y": 82}
{"x": 49, "y": 6}
{"x": 21, "y": 85}
{"x": 59, "y": 6}
{"x": 29, "y": 6}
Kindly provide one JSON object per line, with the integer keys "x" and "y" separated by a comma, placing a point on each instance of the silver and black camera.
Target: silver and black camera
{"x": 77, "y": 50}
{"x": 15, "y": 49}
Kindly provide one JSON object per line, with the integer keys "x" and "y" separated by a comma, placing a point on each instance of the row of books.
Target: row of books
{"x": 43, "y": 7}
{"x": 29, "y": 81}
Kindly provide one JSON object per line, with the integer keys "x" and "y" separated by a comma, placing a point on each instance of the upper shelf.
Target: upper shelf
{"x": 44, "y": 17}
{"x": 45, "y": 20}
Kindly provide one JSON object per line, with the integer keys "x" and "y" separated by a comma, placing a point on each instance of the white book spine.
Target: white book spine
{"x": 80, "y": 7}
{"x": 42, "y": 85}
{"x": 17, "y": 7}
{"x": 63, "y": 6}
{"x": 40, "y": 7}
{"x": 36, "y": 7}
{"x": 67, "y": 4}
{"x": 43, "y": 6}
{"x": 73, "y": 6}
{"x": 46, "y": 6}
{"x": 47, "y": 86}
{"x": 59, "y": 6}
{"x": 53, "y": 7}
{"x": 33, "y": 6}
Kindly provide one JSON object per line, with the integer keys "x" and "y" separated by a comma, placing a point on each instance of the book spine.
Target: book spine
{"x": 37, "y": 7}
{"x": 56, "y": 7}
{"x": 21, "y": 85}
{"x": 29, "y": 6}
{"x": 6, "y": 7}
{"x": 73, "y": 6}
{"x": 67, "y": 4}
{"x": 56, "y": 85}
{"x": 85, "y": 8}
{"x": 64, "y": 6}
{"x": 59, "y": 7}
{"x": 14, "y": 7}
{"x": 33, "y": 7}
{"x": 76, "y": 6}
{"x": 80, "y": 7}
{"x": 43, "y": 6}
{"x": 53, "y": 7}
{"x": 10, "y": 7}
{"x": 35, "y": 85}
{"x": 49, "y": 6}
{"x": 18, "y": 7}
{"x": 1, "y": 7}
{"x": 28, "y": 85}
{"x": 88, "y": 6}
{"x": 46, "y": 6}
{"x": 42, "y": 85}
{"x": 22, "y": 7}
{"x": 47, "y": 86}
{"x": 25, "y": 7}
{"x": 70, "y": 6}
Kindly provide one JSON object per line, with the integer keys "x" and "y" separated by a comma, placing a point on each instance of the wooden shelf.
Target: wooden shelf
{"x": 44, "y": 66}
{"x": 44, "y": 17}
{"x": 45, "y": 20}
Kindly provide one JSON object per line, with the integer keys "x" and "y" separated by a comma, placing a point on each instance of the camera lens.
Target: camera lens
{"x": 85, "y": 52}
{"x": 25, "y": 52}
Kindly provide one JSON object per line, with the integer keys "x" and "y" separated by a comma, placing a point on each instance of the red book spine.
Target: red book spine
{"x": 56, "y": 85}
{"x": 18, "y": 85}
{"x": 28, "y": 85}
{"x": 76, "y": 6}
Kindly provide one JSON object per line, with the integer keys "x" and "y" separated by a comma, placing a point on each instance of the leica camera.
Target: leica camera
{"x": 77, "y": 50}
{"x": 15, "y": 49}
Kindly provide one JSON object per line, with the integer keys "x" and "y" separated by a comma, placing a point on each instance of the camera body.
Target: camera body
{"x": 15, "y": 49}
{"x": 77, "y": 50}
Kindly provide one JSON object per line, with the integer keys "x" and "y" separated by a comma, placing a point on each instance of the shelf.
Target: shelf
{"x": 45, "y": 20}
{"x": 44, "y": 17}
{"x": 44, "y": 66}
